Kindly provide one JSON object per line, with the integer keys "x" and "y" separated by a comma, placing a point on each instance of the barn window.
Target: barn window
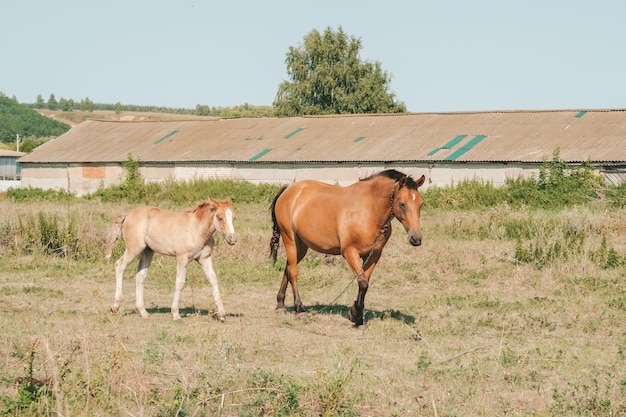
{"x": 359, "y": 139}
{"x": 580, "y": 114}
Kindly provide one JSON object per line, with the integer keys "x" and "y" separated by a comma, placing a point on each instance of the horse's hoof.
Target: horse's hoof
{"x": 281, "y": 310}
{"x": 355, "y": 317}
{"x": 114, "y": 309}
{"x": 302, "y": 315}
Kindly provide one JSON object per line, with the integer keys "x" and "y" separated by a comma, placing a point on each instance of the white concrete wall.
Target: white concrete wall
{"x": 85, "y": 179}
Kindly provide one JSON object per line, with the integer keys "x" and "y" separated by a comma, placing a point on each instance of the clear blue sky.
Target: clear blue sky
{"x": 443, "y": 55}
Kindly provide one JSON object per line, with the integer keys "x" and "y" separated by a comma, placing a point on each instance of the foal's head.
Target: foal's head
{"x": 223, "y": 218}
{"x": 407, "y": 204}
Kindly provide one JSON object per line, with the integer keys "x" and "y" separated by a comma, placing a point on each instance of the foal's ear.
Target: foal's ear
{"x": 228, "y": 201}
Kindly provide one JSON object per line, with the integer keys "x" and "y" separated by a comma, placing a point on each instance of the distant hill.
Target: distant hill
{"x": 19, "y": 119}
{"x": 72, "y": 118}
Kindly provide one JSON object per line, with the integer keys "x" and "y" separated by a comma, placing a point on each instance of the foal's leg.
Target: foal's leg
{"x": 140, "y": 278}
{"x": 120, "y": 267}
{"x": 181, "y": 272}
{"x": 206, "y": 261}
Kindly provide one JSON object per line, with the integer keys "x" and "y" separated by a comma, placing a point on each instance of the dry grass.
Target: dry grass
{"x": 456, "y": 327}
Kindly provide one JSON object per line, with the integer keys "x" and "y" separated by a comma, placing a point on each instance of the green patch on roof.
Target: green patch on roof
{"x": 169, "y": 135}
{"x": 359, "y": 139}
{"x": 451, "y": 143}
{"x": 454, "y": 141}
{"x": 469, "y": 145}
{"x": 298, "y": 130}
{"x": 580, "y": 114}
{"x": 260, "y": 154}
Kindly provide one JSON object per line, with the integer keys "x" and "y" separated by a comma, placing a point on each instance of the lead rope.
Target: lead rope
{"x": 383, "y": 230}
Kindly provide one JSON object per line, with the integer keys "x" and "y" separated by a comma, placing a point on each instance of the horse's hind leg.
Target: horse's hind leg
{"x": 120, "y": 267}
{"x": 140, "y": 278}
{"x": 295, "y": 251}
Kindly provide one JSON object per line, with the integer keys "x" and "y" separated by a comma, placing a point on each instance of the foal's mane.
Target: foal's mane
{"x": 198, "y": 206}
{"x": 394, "y": 175}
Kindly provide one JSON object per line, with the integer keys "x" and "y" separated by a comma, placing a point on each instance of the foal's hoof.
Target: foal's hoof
{"x": 355, "y": 317}
{"x": 281, "y": 310}
{"x": 302, "y": 315}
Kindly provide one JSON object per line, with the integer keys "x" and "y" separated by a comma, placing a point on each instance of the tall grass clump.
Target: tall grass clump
{"x": 69, "y": 232}
{"x": 37, "y": 194}
{"x": 135, "y": 190}
{"x": 557, "y": 186}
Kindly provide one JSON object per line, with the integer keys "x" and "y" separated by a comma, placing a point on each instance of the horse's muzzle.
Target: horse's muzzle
{"x": 231, "y": 238}
{"x": 415, "y": 240}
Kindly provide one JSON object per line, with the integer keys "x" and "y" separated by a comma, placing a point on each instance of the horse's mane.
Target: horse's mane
{"x": 394, "y": 175}
{"x": 198, "y": 206}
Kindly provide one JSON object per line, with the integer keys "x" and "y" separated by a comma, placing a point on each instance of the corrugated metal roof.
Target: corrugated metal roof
{"x": 15, "y": 154}
{"x": 515, "y": 136}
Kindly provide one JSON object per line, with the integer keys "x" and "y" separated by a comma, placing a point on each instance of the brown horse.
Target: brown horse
{"x": 353, "y": 221}
{"x": 187, "y": 235}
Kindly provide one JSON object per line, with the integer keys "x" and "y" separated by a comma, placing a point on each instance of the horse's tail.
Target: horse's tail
{"x": 113, "y": 234}
{"x": 275, "y": 241}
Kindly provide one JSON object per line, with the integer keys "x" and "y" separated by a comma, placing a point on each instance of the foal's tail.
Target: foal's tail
{"x": 113, "y": 234}
{"x": 275, "y": 241}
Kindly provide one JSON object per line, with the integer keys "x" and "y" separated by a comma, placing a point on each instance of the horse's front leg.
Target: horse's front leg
{"x": 181, "y": 273}
{"x": 140, "y": 279}
{"x": 207, "y": 266}
{"x": 355, "y": 314}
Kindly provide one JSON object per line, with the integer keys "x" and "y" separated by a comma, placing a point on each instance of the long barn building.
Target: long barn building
{"x": 446, "y": 147}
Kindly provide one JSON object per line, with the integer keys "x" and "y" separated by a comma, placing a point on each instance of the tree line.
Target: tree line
{"x": 33, "y": 128}
{"x": 326, "y": 75}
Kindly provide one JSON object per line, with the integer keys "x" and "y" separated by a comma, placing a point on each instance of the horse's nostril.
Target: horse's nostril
{"x": 415, "y": 240}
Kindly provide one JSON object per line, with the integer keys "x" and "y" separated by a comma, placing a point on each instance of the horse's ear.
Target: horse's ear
{"x": 420, "y": 182}
{"x": 402, "y": 181}
{"x": 228, "y": 201}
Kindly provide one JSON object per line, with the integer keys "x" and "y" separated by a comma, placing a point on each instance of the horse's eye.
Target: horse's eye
{"x": 402, "y": 205}
{"x": 220, "y": 218}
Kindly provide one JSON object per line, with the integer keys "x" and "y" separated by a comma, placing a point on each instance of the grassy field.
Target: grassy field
{"x": 499, "y": 312}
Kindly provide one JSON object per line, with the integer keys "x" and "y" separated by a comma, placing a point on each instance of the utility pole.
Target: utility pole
{"x": 17, "y": 142}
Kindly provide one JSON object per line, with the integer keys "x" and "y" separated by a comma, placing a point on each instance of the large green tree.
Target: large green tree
{"x": 327, "y": 76}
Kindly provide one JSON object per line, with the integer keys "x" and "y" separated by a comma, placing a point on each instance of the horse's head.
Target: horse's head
{"x": 223, "y": 219}
{"x": 407, "y": 204}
